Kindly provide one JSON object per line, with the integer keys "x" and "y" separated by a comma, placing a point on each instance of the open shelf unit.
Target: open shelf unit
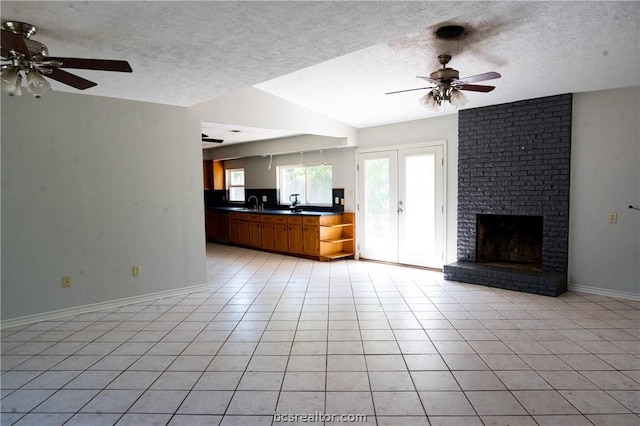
{"x": 337, "y": 235}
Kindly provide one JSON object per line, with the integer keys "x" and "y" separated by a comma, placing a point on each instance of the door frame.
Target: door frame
{"x": 396, "y": 147}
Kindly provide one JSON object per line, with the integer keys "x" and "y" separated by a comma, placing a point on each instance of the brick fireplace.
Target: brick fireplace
{"x": 513, "y": 195}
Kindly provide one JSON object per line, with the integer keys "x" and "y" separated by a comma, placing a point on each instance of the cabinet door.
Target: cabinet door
{"x": 221, "y": 227}
{"x": 207, "y": 174}
{"x": 217, "y": 175}
{"x": 295, "y": 239}
{"x": 268, "y": 236}
{"x": 281, "y": 237}
{"x": 234, "y": 230}
{"x": 244, "y": 233}
{"x": 255, "y": 234}
{"x": 210, "y": 221}
{"x": 310, "y": 240}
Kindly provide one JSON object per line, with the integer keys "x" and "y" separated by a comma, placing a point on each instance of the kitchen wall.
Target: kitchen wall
{"x": 605, "y": 178}
{"x": 259, "y": 176}
{"x": 90, "y": 187}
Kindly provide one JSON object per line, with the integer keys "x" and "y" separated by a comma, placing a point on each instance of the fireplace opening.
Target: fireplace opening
{"x": 509, "y": 241}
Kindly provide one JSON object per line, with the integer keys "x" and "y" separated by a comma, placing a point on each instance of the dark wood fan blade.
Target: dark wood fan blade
{"x": 475, "y": 87}
{"x": 480, "y": 77}
{"x": 70, "y": 79}
{"x": 212, "y": 140}
{"x": 429, "y": 79}
{"x": 92, "y": 64}
{"x": 408, "y": 90}
{"x": 11, "y": 41}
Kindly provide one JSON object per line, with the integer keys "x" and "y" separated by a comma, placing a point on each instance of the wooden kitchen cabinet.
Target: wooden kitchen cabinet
{"x": 209, "y": 222}
{"x": 244, "y": 232}
{"x": 281, "y": 233}
{"x": 217, "y": 226}
{"x": 296, "y": 237}
{"x": 221, "y": 226}
{"x": 218, "y": 175}
{"x": 323, "y": 237}
{"x": 234, "y": 228}
{"x": 268, "y": 232}
{"x": 213, "y": 174}
{"x": 207, "y": 174}
{"x": 255, "y": 230}
{"x": 310, "y": 236}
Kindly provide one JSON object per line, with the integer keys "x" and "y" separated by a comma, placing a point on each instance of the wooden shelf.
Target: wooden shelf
{"x": 337, "y": 240}
{"x": 336, "y": 255}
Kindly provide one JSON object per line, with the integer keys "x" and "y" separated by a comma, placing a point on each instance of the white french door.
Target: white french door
{"x": 401, "y": 206}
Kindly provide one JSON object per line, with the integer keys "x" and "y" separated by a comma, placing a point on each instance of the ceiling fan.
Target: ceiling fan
{"x": 30, "y": 57}
{"x": 448, "y": 85}
{"x": 206, "y": 138}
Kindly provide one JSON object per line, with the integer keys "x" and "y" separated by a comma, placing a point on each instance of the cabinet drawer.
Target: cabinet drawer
{"x": 255, "y": 217}
{"x": 280, "y": 219}
{"x": 310, "y": 220}
{"x": 267, "y": 218}
{"x": 236, "y": 216}
{"x": 295, "y": 221}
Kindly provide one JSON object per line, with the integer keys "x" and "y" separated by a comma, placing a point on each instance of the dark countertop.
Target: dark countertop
{"x": 274, "y": 211}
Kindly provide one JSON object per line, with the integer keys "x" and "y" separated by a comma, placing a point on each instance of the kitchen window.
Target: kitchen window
{"x": 313, "y": 183}
{"x": 235, "y": 185}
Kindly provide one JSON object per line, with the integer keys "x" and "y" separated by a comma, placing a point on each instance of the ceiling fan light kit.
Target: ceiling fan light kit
{"x": 36, "y": 83}
{"x": 22, "y": 55}
{"x": 11, "y": 82}
{"x": 448, "y": 86}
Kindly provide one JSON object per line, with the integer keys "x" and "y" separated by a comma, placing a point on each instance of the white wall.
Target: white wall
{"x": 90, "y": 187}
{"x": 605, "y": 178}
{"x": 443, "y": 128}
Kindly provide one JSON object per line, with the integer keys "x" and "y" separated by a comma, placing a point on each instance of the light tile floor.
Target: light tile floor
{"x": 277, "y": 334}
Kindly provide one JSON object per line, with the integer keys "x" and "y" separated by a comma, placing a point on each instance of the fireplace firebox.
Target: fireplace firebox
{"x": 509, "y": 241}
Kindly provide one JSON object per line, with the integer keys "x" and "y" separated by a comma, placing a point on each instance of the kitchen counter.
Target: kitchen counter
{"x": 275, "y": 211}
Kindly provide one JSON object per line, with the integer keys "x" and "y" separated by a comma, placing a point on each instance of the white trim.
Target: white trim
{"x": 53, "y": 315}
{"x": 441, "y": 142}
{"x": 604, "y": 292}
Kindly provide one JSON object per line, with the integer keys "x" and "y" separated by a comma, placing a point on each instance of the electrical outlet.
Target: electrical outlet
{"x": 66, "y": 282}
{"x": 613, "y": 217}
{"x": 342, "y": 201}
{"x": 136, "y": 270}
{"x": 336, "y": 200}
{"x": 264, "y": 198}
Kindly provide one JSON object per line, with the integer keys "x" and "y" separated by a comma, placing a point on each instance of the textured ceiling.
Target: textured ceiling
{"x": 339, "y": 58}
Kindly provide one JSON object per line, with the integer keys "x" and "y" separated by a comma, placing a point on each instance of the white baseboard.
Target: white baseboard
{"x": 54, "y": 315}
{"x": 604, "y": 292}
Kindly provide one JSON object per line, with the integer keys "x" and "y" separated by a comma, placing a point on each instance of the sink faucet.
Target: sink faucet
{"x": 255, "y": 198}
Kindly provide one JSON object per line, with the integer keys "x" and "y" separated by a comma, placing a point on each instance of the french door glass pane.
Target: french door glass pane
{"x": 376, "y": 202}
{"x": 419, "y": 204}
